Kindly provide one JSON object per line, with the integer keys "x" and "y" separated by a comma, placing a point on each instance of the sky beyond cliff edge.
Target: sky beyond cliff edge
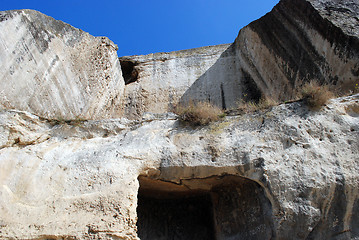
{"x": 148, "y": 26}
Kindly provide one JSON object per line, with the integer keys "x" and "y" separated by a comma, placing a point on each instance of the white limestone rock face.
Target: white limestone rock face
{"x": 56, "y": 71}
{"x": 70, "y": 171}
{"x": 296, "y": 170}
{"x": 157, "y": 82}
{"x": 297, "y": 42}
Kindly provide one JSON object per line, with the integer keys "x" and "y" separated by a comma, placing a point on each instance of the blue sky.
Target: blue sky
{"x": 148, "y": 26}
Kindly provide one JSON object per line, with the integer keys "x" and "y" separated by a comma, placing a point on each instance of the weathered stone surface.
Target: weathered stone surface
{"x": 84, "y": 183}
{"x": 298, "y": 41}
{"x": 162, "y": 79}
{"x": 70, "y": 171}
{"x": 343, "y": 14}
{"x": 56, "y": 71}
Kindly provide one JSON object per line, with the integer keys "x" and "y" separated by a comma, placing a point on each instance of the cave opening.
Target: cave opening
{"x": 220, "y": 207}
{"x": 129, "y": 71}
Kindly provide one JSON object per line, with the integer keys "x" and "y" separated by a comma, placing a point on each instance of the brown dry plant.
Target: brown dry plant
{"x": 315, "y": 96}
{"x": 201, "y": 113}
{"x": 263, "y": 103}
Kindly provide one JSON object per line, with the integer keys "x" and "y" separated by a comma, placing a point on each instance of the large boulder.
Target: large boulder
{"x": 300, "y": 41}
{"x": 56, "y": 71}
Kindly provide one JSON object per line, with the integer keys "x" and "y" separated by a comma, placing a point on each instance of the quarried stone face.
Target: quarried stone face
{"x": 56, "y": 71}
{"x": 71, "y": 169}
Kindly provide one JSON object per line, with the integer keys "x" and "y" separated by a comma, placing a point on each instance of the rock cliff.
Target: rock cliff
{"x": 161, "y": 79}
{"x": 55, "y": 70}
{"x": 296, "y": 42}
{"x": 89, "y": 149}
{"x": 300, "y": 41}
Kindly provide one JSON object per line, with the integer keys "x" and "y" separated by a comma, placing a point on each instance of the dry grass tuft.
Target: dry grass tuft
{"x": 201, "y": 113}
{"x": 264, "y": 103}
{"x": 315, "y": 96}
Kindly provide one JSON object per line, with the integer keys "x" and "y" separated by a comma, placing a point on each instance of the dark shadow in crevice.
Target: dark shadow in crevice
{"x": 129, "y": 71}
{"x": 226, "y": 207}
{"x": 185, "y": 217}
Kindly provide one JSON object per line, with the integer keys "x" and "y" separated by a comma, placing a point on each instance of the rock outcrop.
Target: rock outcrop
{"x": 55, "y": 70}
{"x": 70, "y": 170}
{"x": 298, "y": 41}
{"x": 157, "y": 82}
{"x": 286, "y": 173}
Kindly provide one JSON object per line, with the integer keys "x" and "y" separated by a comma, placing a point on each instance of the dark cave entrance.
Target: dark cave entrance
{"x": 175, "y": 218}
{"x": 129, "y": 72}
{"x": 226, "y": 207}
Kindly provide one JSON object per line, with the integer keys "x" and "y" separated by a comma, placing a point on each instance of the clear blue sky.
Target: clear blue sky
{"x": 148, "y": 26}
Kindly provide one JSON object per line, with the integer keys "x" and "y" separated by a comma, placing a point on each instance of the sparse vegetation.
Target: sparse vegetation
{"x": 264, "y": 103}
{"x": 201, "y": 113}
{"x": 315, "y": 96}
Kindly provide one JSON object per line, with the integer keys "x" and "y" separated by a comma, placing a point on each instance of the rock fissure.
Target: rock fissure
{"x": 129, "y": 71}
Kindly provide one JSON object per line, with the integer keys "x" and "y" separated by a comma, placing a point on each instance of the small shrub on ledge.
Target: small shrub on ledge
{"x": 201, "y": 113}
{"x": 315, "y": 96}
{"x": 263, "y": 103}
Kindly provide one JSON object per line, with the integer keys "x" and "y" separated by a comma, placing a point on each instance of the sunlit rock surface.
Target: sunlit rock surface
{"x": 55, "y": 70}
{"x": 157, "y": 82}
{"x": 283, "y": 173}
{"x": 298, "y": 41}
{"x": 90, "y": 150}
